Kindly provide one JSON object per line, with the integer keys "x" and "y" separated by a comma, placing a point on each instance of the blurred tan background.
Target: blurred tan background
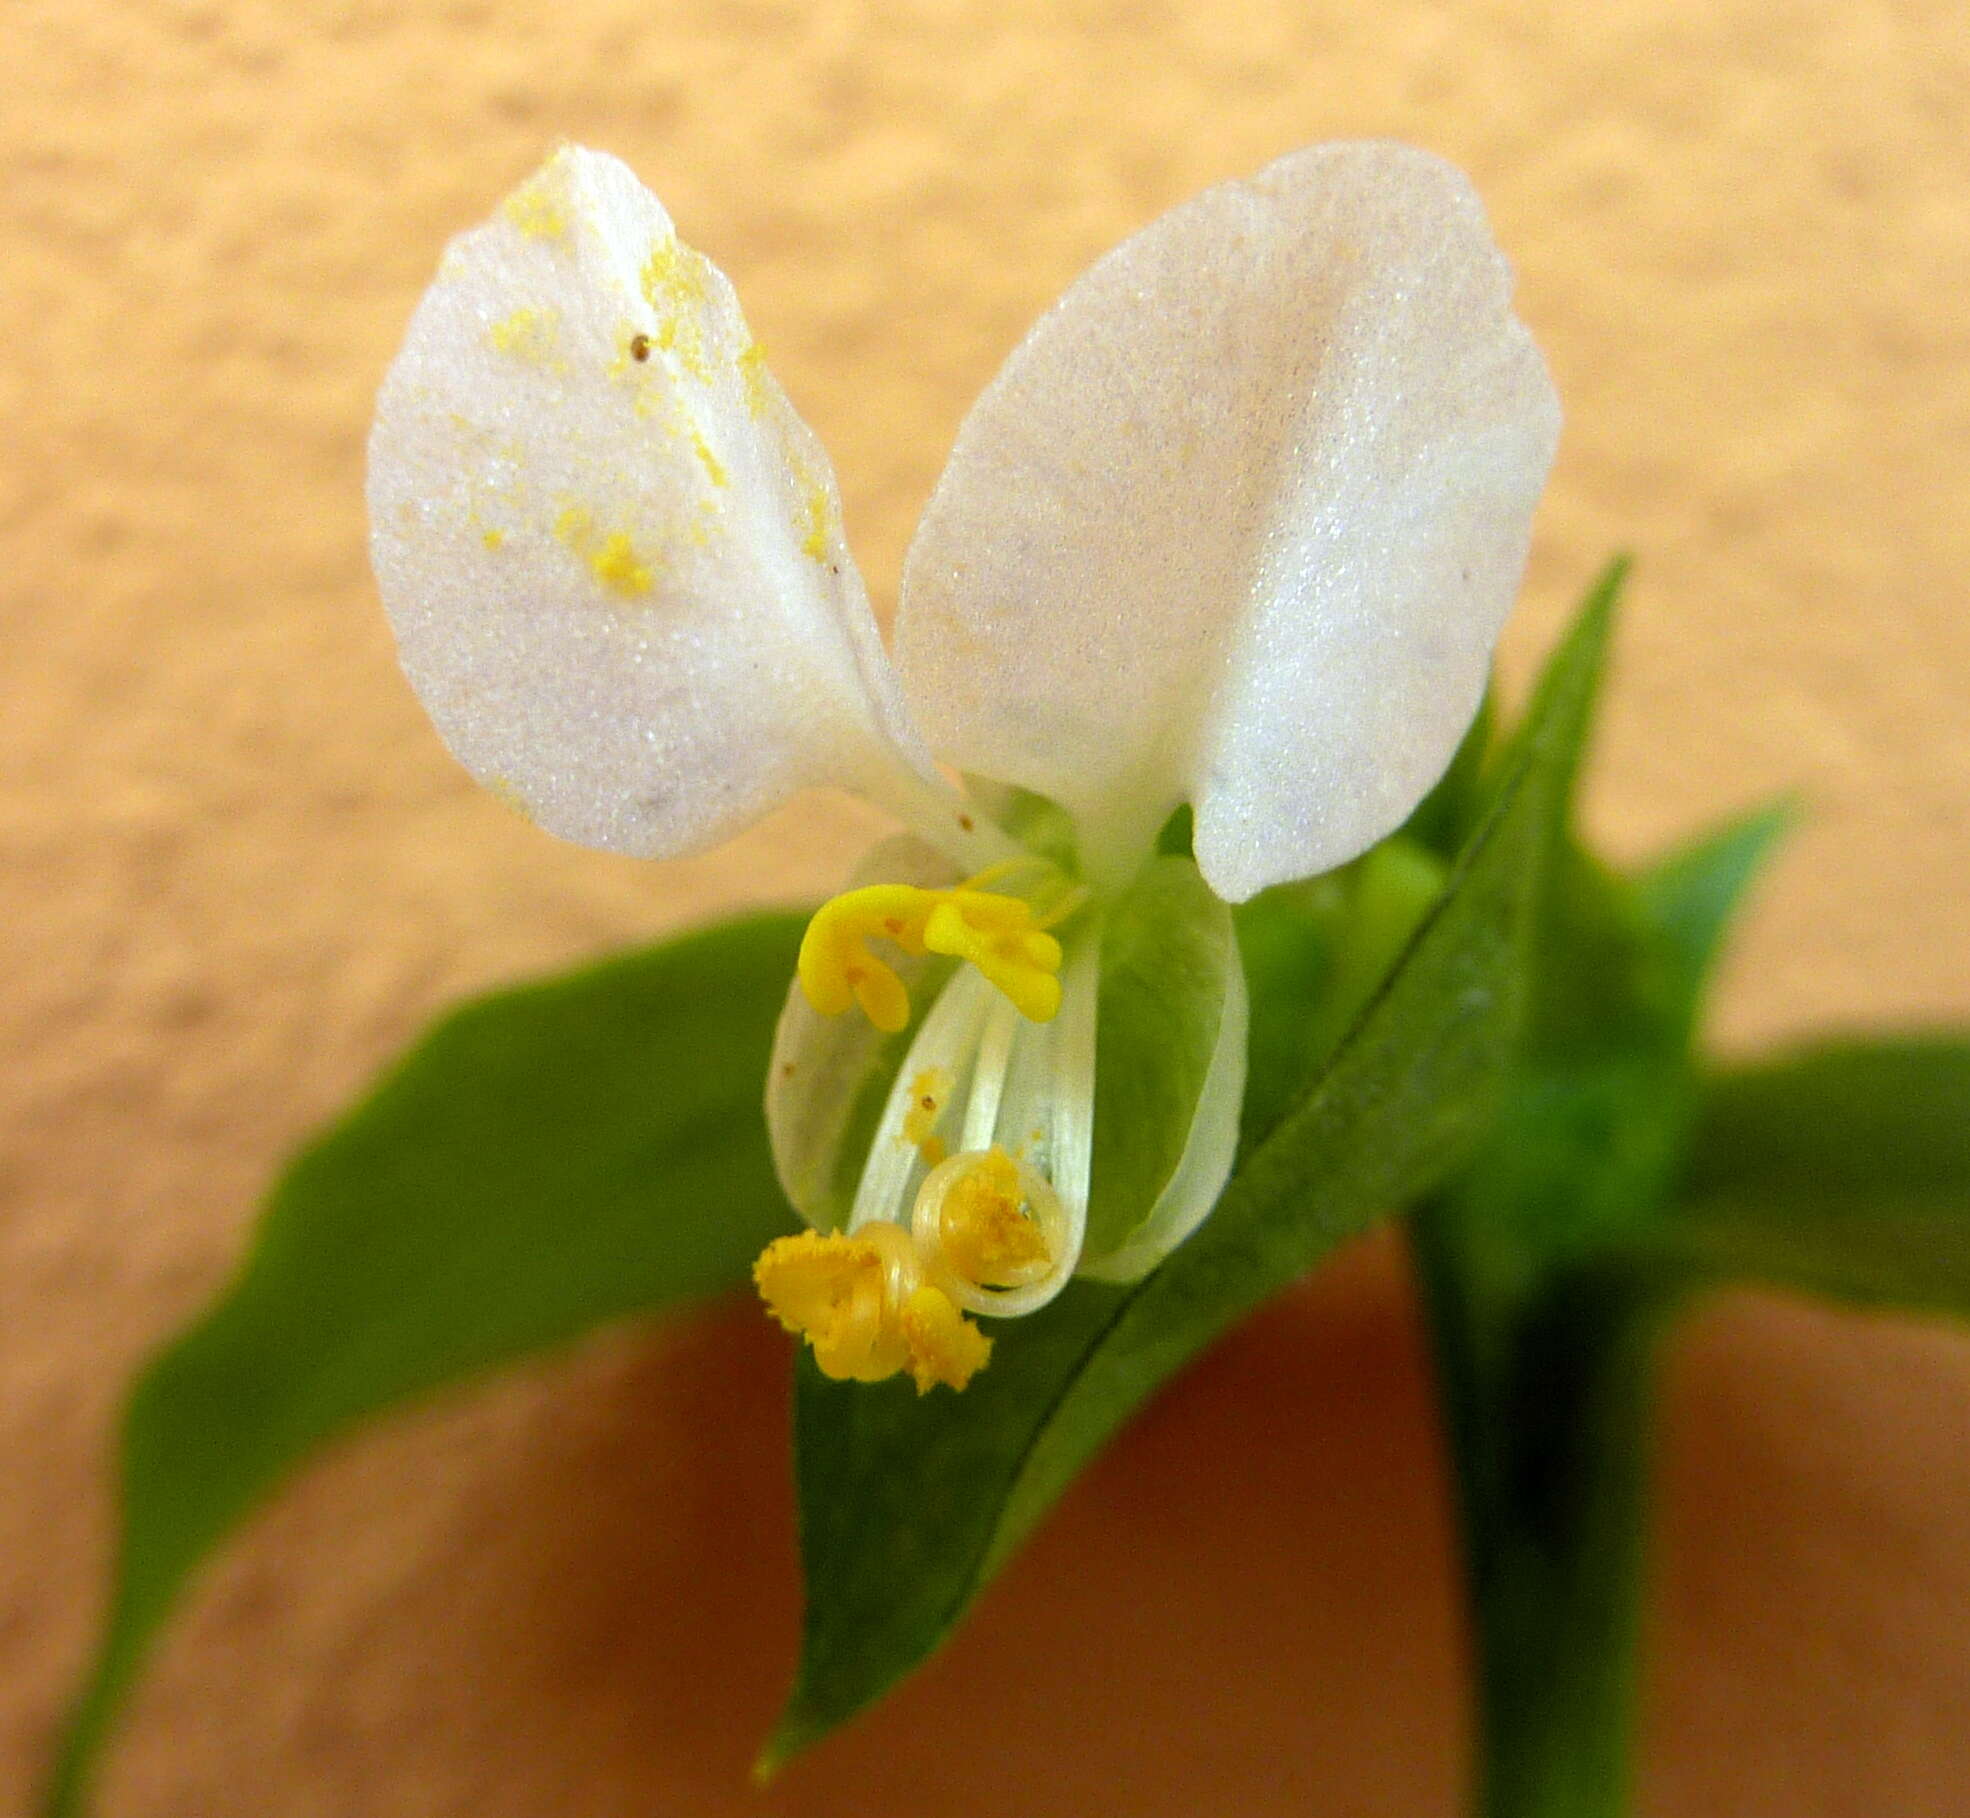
{"x": 239, "y": 871}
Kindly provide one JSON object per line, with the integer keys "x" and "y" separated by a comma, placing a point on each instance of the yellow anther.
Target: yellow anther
{"x": 944, "y": 1346}
{"x": 930, "y": 1092}
{"x": 997, "y": 935}
{"x": 836, "y": 967}
{"x": 989, "y": 1234}
{"x": 860, "y": 1302}
{"x": 833, "y": 1291}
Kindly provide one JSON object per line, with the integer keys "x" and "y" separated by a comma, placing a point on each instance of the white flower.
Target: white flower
{"x": 1235, "y": 527}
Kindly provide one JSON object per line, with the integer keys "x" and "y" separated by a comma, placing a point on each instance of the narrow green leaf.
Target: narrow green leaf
{"x": 908, "y": 1506}
{"x": 1842, "y": 1170}
{"x": 1690, "y": 897}
{"x": 545, "y": 1160}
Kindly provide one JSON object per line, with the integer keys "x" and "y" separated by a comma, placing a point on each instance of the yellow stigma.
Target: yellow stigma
{"x": 860, "y": 1302}
{"x": 1000, "y": 935}
{"x": 989, "y": 1235}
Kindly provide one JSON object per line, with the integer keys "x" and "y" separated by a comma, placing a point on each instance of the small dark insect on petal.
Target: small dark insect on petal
{"x": 639, "y": 347}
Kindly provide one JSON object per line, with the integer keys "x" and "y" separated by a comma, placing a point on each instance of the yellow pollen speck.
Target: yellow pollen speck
{"x": 714, "y": 468}
{"x": 527, "y": 334}
{"x": 752, "y": 371}
{"x": 613, "y": 559}
{"x": 817, "y": 516}
{"x": 930, "y": 1092}
{"x": 537, "y": 208}
{"x": 673, "y": 275}
{"x": 504, "y": 792}
{"x": 616, "y": 565}
{"x": 493, "y": 538}
{"x": 677, "y": 286}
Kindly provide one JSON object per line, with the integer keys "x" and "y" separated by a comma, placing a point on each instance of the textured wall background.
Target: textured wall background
{"x": 238, "y": 870}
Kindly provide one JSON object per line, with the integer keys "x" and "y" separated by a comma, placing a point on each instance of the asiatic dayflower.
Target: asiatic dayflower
{"x": 1235, "y": 528}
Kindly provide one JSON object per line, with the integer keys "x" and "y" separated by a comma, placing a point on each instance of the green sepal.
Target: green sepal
{"x": 1168, "y": 1029}
{"x": 909, "y": 1505}
{"x": 544, "y": 1161}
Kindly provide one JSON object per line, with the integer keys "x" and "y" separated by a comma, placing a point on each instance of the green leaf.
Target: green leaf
{"x": 908, "y": 1506}
{"x": 1843, "y": 1170}
{"x": 1689, "y": 898}
{"x": 547, "y": 1159}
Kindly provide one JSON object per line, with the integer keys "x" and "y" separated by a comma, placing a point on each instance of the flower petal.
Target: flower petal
{"x": 1240, "y": 519}
{"x": 612, "y": 552}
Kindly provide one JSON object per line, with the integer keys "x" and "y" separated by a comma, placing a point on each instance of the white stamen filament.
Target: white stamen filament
{"x": 949, "y": 1039}
{"x": 1038, "y": 1106}
{"x": 988, "y": 1077}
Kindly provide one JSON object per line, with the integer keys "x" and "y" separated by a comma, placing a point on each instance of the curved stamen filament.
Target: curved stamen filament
{"x": 992, "y": 1232}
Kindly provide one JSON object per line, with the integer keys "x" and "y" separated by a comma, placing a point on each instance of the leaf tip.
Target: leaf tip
{"x": 795, "y": 1733}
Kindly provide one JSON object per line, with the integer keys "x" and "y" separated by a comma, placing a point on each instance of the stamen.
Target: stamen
{"x": 992, "y": 1233}
{"x": 861, "y": 1303}
{"x": 989, "y": 1231}
{"x": 998, "y": 934}
{"x": 944, "y": 1346}
{"x": 834, "y": 1291}
{"x": 836, "y": 967}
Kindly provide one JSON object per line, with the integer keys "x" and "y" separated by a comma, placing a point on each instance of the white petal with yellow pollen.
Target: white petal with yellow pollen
{"x": 1239, "y": 521}
{"x": 612, "y": 553}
